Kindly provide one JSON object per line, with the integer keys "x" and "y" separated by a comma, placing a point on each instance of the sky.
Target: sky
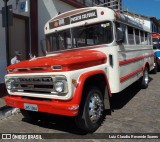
{"x": 144, "y": 7}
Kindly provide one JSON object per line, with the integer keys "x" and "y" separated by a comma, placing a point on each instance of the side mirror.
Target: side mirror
{"x": 120, "y": 35}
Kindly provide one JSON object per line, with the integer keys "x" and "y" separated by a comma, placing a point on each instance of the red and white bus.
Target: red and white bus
{"x": 91, "y": 53}
{"x": 156, "y": 38}
{"x": 156, "y": 48}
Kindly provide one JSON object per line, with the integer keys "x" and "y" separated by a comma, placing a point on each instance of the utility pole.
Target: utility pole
{"x": 6, "y": 30}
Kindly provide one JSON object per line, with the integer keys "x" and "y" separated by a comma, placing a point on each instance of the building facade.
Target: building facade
{"x": 114, "y": 4}
{"x": 27, "y": 30}
{"x": 18, "y": 35}
{"x": 28, "y": 27}
{"x": 155, "y": 24}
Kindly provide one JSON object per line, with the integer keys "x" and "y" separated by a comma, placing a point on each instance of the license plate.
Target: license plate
{"x": 30, "y": 107}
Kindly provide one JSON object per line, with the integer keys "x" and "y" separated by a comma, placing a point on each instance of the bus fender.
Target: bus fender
{"x": 81, "y": 82}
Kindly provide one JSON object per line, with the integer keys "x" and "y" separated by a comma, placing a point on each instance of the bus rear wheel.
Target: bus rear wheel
{"x": 154, "y": 71}
{"x": 144, "y": 81}
{"x": 91, "y": 111}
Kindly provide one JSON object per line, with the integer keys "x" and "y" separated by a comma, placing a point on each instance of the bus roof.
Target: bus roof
{"x": 89, "y": 15}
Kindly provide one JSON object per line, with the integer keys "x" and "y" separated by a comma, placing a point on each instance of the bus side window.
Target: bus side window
{"x": 149, "y": 39}
{"x": 142, "y": 37}
{"x": 146, "y": 39}
{"x": 137, "y": 36}
{"x": 130, "y": 35}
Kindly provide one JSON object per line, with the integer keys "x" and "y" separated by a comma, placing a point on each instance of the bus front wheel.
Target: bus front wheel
{"x": 91, "y": 111}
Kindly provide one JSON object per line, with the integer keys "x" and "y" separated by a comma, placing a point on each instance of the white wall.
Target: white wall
{"x": 46, "y": 10}
{"x": 3, "y": 62}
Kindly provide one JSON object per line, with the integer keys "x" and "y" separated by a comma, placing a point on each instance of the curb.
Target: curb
{"x": 6, "y": 112}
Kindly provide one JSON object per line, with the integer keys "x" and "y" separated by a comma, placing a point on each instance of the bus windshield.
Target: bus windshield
{"x": 88, "y": 35}
{"x": 155, "y": 39}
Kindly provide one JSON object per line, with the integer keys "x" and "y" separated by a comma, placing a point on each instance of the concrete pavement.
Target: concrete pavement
{"x": 2, "y": 103}
{"x": 3, "y": 92}
{"x": 5, "y": 111}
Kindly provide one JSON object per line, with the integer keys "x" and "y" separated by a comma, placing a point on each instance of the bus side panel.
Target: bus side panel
{"x": 112, "y": 68}
{"x": 132, "y": 60}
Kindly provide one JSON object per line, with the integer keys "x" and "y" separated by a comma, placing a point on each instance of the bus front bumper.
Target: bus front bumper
{"x": 65, "y": 108}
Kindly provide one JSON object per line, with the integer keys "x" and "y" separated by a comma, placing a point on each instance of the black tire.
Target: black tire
{"x": 158, "y": 67}
{"x": 154, "y": 71}
{"x": 31, "y": 115}
{"x": 92, "y": 104}
{"x": 144, "y": 81}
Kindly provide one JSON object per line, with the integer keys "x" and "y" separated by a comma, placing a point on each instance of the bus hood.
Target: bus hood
{"x": 63, "y": 61}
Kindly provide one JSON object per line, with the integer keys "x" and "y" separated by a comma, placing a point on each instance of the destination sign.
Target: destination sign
{"x": 83, "y": 16}
{"x": 73, "y": 19}
{"x": 59, "y": 23}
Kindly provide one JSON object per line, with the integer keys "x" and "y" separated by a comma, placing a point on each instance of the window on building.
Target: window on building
{"x": 130, "y": 35}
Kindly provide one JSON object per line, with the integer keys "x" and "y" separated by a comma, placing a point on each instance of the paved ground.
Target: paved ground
{"x": 134, "y": 111}
{"x": 3, "y": 92}
{"x": 5, "y": 111}
{"x": 2, "y": 103}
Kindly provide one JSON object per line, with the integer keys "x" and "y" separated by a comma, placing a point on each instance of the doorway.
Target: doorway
{"x": 19, "y": 37}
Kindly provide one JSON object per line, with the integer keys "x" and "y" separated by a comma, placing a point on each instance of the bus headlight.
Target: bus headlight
{"x": 59, "y": 86}
{"x": 9, "y": 84}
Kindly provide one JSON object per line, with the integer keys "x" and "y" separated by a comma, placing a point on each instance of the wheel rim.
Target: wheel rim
{"x": 146, "y": 77}
{"x": 95, "y": 108}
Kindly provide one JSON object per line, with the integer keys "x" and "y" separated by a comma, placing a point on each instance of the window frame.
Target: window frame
{"x": 92, "y": 25}
{"x": 72, "y": 37}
